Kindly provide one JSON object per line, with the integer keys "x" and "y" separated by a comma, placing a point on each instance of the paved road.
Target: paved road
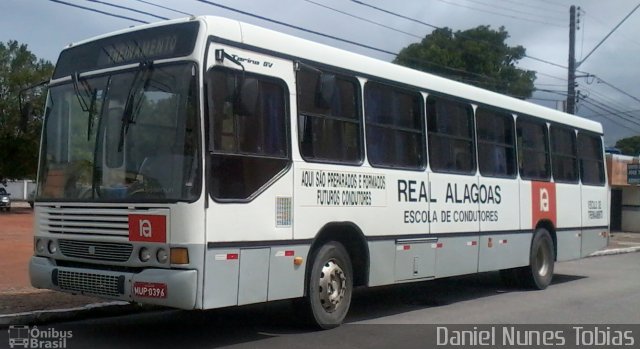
{"x": 599, "y": 290}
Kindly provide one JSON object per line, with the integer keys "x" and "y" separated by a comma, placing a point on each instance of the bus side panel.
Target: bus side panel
{"x": 569, "y": 242}
{"x": 525, "y": 205}
{"x": 286, "y": 280}
{"x": 221, "y": 278}
{"x": 454, "y": 203}
{"x": 595, "y": 218}
{"x": 567, "y": 215}
{"x": 457, "y": 209}
{"x": 499, "y": 204}
{"x": 415, "y": 260}
{"x": 499, "y": 215}
{"x": 504, "y": 251}
{"x": 381, "y": 265}
{"x": 593, "y": 240}
{"x": 456, "y": 255}
{"x": 254, "y": 275}
{"x": 567, "y": 230}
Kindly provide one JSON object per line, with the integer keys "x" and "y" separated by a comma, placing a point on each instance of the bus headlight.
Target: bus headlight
{"x": 40, "y": 245}
{"x": 145, "y": 254}
{"x": 52, "y": 247}
{"x": 162, "y": 255}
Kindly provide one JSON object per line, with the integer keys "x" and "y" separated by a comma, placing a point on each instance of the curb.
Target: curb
{"x": 615, "y": 251}
{"x": 90, "y": 310}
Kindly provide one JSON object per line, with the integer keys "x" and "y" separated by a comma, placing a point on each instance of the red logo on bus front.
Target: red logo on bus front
{"x": 543, "y": 202}
{"x": 150, "y": 290}
{"x": 147, "y": 228}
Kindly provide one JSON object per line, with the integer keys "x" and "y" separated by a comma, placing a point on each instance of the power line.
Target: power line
{"x": 606, "y": 116}
{"x": 343, "y": 40}
{"x": 618, "y": 112}
{"x": 500, "y": 14}
{"x": 608, "y": 35}
{"x": 127, "y": 9}
{"x": 527, "y": 3}
{"x": 545, "y": 61}
{"x": 436, "y": 27}
{"x": 396, "y": 14}
{"x": 98, "y": 11}
{"x": 617, "y": 89}
{"x": 552, "y": 3}
{"x": 628, "y": 111}
{"x": 609, "y": 110}
{"x": 606, "y": 98}
{"x": 164, "y": 7}
{"x": 296, "y": 27}
{"x": 363, "y": 19}
{"x": 552, "y": 76}
{"x": 502, "y": 8}
{"x": 603, "y": 24}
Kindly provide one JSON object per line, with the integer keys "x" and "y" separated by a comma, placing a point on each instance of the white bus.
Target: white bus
{"x": 205, "y": 163}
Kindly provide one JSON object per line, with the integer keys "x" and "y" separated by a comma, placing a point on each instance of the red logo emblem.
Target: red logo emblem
{"x": 543, "y": 202}
{"x": 147, "y": 228}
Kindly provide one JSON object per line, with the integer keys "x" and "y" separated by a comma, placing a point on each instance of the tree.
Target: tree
{"x": 19, "y": 69}
{"x": 629, "y": 145}
{"x": 477, "y": 56}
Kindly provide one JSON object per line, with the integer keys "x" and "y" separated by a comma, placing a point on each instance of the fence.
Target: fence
{"x": 20, "y": 190}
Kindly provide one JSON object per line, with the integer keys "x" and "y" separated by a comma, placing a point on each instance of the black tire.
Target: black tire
{"x": 539, "y": 273}
{"x": 330, "y": 285}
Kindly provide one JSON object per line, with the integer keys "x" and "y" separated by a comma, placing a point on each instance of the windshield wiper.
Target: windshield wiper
{"x": 135, "y": 98}
{"x": 87, "y": 92}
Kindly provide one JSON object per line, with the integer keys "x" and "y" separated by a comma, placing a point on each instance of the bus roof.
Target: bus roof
{"x": 292, "y": 46}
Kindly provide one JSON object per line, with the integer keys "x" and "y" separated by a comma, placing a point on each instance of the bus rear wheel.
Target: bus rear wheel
{"x": 539, "y": 273}
{"x": 330, "y": 285}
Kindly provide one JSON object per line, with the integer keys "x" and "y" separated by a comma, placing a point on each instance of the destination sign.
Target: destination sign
{"x": 176, "y": 40}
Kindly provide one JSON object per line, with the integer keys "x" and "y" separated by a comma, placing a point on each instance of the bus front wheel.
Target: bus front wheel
{"x": 330, "y": 285}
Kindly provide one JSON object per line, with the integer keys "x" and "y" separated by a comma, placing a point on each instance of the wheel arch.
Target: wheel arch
{"x": 353, "y": 240}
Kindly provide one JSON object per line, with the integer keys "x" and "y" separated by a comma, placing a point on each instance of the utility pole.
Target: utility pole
{"x": 571, "y": 87}
{"x": 573, "y": 65}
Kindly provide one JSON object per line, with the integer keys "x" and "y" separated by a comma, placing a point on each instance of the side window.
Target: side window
{"x": 564, "y": 160}
{"x": 590, "y": 156}
{"x": 533, "y": 149}
{"x": 451, "y": 140}
{"x": 395, "y": 127}
{"x": 248, "y": 132}
{"x": 496, "y": 143}
{"x": 329, "y": 126}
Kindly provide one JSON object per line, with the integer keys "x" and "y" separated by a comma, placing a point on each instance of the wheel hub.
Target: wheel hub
{"x": 332, "y": 286}
{"x": 542, "y": 261}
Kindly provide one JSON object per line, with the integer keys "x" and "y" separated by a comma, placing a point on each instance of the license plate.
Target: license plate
{"x": 149, "y": 290}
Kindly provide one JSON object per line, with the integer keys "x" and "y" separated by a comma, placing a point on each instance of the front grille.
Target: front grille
{"x": 102, "y": 251}
{"x": 84, "y": 220}
{"x": 90, "y": 219}
{"x": 96, "y": 284}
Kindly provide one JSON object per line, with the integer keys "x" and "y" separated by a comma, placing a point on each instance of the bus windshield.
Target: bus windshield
{"x": 125, "y": 136}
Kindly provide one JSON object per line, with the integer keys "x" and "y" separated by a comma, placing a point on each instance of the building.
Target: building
{"x": 624, "y": 179}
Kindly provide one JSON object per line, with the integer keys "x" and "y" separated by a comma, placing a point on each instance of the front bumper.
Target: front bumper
{"x": 180, "y": 285}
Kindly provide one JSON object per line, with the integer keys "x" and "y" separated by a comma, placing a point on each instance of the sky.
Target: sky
{"x": 612, "y": 97}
